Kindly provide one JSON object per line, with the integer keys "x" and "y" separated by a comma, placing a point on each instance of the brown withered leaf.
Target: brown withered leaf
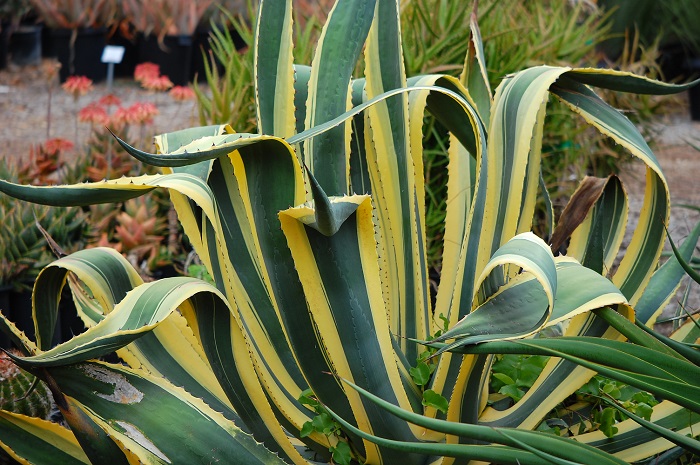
{"x": 580, "y": 204}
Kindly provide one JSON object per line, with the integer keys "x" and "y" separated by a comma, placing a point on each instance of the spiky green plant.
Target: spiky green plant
{"x": 313, "y": 233}
{"x": 23, "y": 248}
{"x": 18, "y": 394}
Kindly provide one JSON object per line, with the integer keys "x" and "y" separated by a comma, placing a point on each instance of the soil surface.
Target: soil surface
{"x": 24, "y": 98}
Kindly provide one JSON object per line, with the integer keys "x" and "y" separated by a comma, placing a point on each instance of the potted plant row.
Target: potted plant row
{"x": 19, "y": 42}
{"x": 159, "y": 31}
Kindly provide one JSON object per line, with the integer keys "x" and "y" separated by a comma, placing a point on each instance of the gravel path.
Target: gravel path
{"x": 24, "y": 99}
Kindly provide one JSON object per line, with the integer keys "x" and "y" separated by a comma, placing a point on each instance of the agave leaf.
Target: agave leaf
{"x": 100, "y": 278}
{"x": 392, "y": 172}
{"x": 643, "y": 252}
{"x": 340, "y": 278}
{"x": 338, "y": 49}
{"x": 474, "y": 75}
{"x": 38, "y": 442}
{"x": 557, "y": 447}
{"x": 114, "y": 398}
{"x": 274, "y": 74}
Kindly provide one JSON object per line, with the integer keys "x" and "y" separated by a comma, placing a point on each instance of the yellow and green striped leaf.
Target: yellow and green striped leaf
{"x": 338, "y": 50}
{"x": 116, "y": 397}
{"x": 38, "y": 442}
{"x": 274, "y": 73}
{"x": 340, "y": 275}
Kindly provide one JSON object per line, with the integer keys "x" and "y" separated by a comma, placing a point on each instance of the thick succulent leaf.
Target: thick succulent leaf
{"x": 116, "y": 397}
{"x": 393, "y": 176}
{"x": 154, "y": 301}
{"x": 518, "y": 309}
{"x": 17, "y": 336}
{"x": 38, "y": 442}
{"x": 169, "y": 142}
{"x": 100, "y": 278}
{"x": 555, "y": 448}
{"x": 79, "y": 195}
{"x": 104, "y": 271}
{"x": 252, "y": 266}
{"x": 624, "y": 81}
{"x": 507, "y": 180}
{"x": 302, "y": 75}
{"x": 273, "y": 64}
{"x": 643, "y": 252}
{"x": 474, "y": 76}
{"x": 359, "y": 176}
{"x": 340, "y": 275}
{"x": 336, "y": 55}
{"x": 199, "y": 149}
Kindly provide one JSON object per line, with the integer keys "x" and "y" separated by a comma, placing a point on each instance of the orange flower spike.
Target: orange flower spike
{"x": 93, "y": 114}
{"x": 144, "y": 71}
{"x": 157, "y": 83}
{"x": 143, "y": 112}
{"x": 56, "y": 145}
{"x": 77, "y": 85}
{"x": 110, "y": 100}
{"x": 181, "y": 93}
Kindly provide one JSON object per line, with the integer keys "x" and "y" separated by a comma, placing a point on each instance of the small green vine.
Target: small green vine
{"x": 324, "y": 423}
{"x": 422, "y": 373}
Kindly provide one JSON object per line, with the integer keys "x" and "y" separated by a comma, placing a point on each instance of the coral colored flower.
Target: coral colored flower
{"x": 56, "y": 145}
{"x": 77, "y": 85}
{"x": 110, "y": 100}
{"x": 157, "y": 83}
{"x": 121, "y": 117}
{"x": 146, "y": 70}
{"x": 93, "y": 113}
{"x": 143, "y": 112}
{"x": 181, "y": 93}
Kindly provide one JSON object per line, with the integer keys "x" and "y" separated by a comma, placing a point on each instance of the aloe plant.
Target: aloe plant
{"x": 313, "y": 233}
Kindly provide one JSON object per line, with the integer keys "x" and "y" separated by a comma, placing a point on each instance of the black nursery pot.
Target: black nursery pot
{"x": 130, "y": 59}
{"x": 174, "y": 56}
{"x": 5, "y": 307}
{"x": 4, "y": 43}
{"x": 25, "y": 45}
{"x": 17, "y": 306}
{"x": 693, "y": 69}
{"x": 84, "y": 57}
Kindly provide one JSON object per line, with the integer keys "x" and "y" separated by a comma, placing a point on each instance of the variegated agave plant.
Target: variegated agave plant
{"x": 313, "y": 233}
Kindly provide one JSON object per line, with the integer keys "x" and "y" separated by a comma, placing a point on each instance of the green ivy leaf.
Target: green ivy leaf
{"x": 643, "y": 397}
{"x": 644, "y": 411}
{"x": 307, "y": 398}
{"x": 306, "y": 429}
{"x": 341, "y": 453}
{"x": 420, "y": 374}
{"x": 512, "y": 391}
{"x": 445, "y": 323}
{"x": 435, "y": 400}
{"x": 323, "y": 423}
{"x": 606, "y": 418}
{"x": 504, "y": 378}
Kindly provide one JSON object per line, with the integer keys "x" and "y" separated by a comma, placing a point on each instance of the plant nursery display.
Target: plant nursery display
{"x": 314, "y": 337}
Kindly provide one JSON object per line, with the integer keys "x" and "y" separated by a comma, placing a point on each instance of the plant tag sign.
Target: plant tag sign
{"x": 112, "y": 54}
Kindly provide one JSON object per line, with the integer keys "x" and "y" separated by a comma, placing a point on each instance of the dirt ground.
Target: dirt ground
{"x": 24, "y": 98}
